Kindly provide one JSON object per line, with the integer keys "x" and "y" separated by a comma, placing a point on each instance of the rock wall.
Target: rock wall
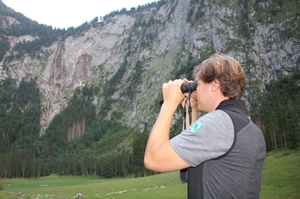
{"x": 157, "y": 37}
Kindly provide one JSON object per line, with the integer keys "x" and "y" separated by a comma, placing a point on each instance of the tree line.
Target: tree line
{"x": 279, "y": 115}
{"x": 80, "y": 141}
{"x": 77, "y": 142}
{"x": 46, "y": 35}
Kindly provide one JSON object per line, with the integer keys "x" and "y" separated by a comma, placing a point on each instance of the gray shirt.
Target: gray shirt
{"x": 226, "y": 152}
{"x": 209, "y": 137}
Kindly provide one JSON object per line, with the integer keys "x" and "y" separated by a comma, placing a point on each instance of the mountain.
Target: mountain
{"x": 111, "y": 69}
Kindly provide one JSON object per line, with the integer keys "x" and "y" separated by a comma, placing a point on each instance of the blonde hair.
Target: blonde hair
{"x": 225, "y": 69}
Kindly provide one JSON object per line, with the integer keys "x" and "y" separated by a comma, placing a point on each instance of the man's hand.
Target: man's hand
{"x": 172, "y": 93}
{"x": 159, "y": 154}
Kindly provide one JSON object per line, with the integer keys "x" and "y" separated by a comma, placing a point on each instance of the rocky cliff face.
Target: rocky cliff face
{"x": 144, "y": 49}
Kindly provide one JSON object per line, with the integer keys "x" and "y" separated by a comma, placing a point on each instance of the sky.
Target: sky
{"x": 69, "y": 13}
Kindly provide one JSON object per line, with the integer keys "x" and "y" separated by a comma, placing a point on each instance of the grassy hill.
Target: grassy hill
{"x": 281, "y": 175}
{"x": 281, "y": 180}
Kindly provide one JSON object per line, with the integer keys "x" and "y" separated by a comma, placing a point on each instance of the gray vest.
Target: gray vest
{"x": 237, "y": 173}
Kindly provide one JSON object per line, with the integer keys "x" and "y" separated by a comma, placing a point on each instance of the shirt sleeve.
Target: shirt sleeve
{"x": 211, "y": 136}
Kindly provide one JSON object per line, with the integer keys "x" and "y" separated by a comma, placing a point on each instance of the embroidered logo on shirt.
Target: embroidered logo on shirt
{"x": 196, "y": 126}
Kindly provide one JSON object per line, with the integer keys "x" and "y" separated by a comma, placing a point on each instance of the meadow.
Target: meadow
{"x": 281, "y": 180}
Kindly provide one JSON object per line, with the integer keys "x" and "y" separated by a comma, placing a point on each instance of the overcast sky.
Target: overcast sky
{"x": 68, "y": 13}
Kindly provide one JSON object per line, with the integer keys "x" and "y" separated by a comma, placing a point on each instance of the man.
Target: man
{"x": 223, "y": 151}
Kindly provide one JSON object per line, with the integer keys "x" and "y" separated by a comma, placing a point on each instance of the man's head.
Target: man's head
{"x": 224, "y": 69}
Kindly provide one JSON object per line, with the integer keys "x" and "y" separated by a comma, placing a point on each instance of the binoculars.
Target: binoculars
{"x": 188, "y": 87}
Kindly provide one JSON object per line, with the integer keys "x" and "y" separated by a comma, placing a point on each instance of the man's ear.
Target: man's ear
{"x": 215, "y": 85}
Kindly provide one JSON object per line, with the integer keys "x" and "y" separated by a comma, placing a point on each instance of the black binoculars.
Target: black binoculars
{"x": 188, "y": 87}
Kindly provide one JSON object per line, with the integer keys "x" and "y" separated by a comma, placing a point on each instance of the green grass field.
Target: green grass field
{"x": 281, "y": 180}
